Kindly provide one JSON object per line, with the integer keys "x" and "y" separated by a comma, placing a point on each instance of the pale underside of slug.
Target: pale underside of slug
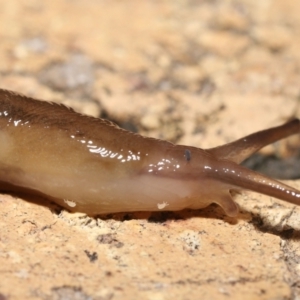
{"x": 90, "y": 165}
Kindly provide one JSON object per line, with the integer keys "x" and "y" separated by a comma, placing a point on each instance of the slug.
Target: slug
{"x": 90, "y": 165}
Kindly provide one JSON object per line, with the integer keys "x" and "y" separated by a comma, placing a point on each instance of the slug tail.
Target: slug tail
{"x": 241, "y": 149}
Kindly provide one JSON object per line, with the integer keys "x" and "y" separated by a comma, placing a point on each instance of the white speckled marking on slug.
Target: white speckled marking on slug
{"x": 70, "y": 202}
{"x": 162, "y": 205}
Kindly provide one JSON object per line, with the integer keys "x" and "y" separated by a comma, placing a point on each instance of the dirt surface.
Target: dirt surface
{"x": 200, "y": 73}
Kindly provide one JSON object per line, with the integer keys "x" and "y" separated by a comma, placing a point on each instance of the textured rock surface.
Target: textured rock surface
{"x": 200, "y": 73}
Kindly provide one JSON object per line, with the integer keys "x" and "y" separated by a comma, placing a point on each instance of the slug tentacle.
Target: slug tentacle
{"x": 240, "y": 177}
{"x": 241, "y": 149}
{"x": 229, "y": 206}
{"x": 90, "y": 165}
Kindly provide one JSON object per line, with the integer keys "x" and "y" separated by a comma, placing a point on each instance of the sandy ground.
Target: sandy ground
{"x": 200, "y": 73}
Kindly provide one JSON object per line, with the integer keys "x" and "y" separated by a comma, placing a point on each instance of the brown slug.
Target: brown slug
{"x": 90, "y": 165}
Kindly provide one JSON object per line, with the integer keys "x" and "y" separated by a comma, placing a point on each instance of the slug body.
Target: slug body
{"x": 90, "y": 165}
